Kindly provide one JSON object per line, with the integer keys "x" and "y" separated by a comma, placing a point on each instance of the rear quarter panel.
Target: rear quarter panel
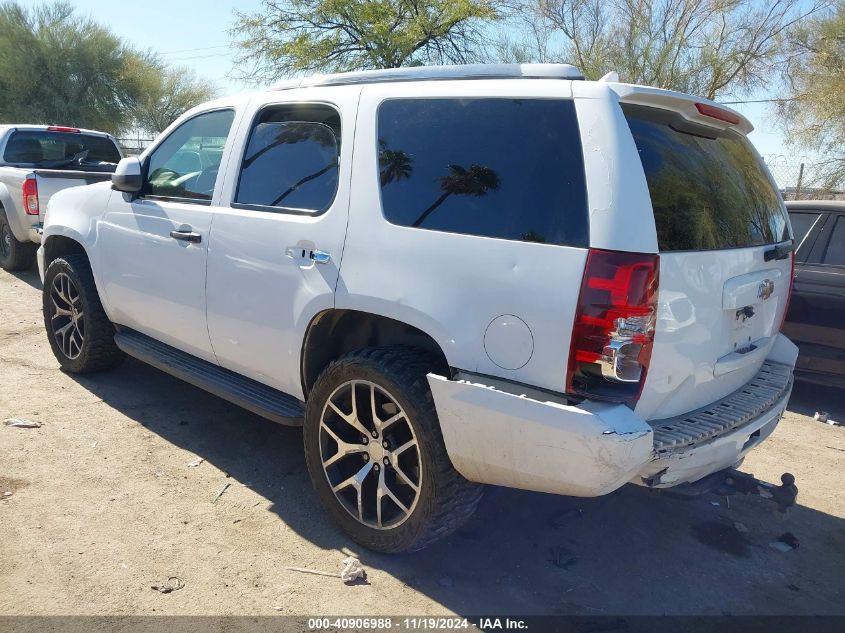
{"x": 449, "y": 285}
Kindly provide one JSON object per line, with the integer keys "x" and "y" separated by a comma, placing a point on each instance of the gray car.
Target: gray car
{"x": 816, "y": 317}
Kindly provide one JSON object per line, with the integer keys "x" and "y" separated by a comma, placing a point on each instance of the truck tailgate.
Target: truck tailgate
{"x": 51, "y": 181}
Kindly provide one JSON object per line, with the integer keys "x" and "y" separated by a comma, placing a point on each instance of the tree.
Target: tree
{"x": 57, "y": 67}
{"x": 710, "y": 48}
{"x": 287, "y": 37}
{"x": 168, "y": 92}
{"x": 815, "y": 117}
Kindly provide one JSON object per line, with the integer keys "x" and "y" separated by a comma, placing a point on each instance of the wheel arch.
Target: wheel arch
{"x": 336, "y": 332}
{"x": 58, "y": 245}
{"x": 58, "y": 241}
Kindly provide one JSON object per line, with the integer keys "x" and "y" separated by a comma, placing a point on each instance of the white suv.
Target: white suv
{"x": 450, "y": 276}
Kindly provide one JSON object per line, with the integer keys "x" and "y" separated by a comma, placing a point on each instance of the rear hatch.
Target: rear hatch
{"x": 725, "y": 257}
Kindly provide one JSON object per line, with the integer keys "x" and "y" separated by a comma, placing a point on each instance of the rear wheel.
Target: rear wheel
{"x": 14, "y": 254}
{"x": 376, "y": 455}
{"x": 81, "y": 336}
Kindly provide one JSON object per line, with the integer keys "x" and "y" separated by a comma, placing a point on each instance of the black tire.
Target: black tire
{"x": 97, "y": 351}
{"x": 14, "y": 255}
{"x": 445, "y": 499}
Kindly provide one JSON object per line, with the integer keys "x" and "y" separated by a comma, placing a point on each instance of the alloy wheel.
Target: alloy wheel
{"x": 67, "y": 316}
{"x": 370, "y": 454}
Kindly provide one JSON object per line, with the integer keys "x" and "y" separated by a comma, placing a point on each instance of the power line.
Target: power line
{"x": 191, "y": 50}
{"x": 182, "y": 59}
{"x": 759, "y": 101}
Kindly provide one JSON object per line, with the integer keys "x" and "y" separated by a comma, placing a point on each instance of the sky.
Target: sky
{"x": 194, "y": 33}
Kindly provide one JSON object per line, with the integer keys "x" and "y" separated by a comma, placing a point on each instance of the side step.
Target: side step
{"x": 244, "y": 392}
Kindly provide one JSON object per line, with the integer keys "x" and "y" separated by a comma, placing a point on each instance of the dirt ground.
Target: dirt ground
{"x": 104, "y": 505}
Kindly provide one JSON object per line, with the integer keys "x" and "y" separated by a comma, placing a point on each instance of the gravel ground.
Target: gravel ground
{"x": 104, "y": 505}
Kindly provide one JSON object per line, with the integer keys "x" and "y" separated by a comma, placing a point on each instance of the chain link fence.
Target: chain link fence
{"x": 133, "y": 146}
{"x": 799, "y": 181}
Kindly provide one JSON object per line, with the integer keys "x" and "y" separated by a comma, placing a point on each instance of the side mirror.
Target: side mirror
{"x": 127, "y": 176}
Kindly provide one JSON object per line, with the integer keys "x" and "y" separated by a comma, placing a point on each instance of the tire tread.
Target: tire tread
{"x": 456, "y": 498}
{"x": 101, "y": 352}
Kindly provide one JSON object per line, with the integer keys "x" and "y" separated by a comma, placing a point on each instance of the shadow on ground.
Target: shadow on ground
{"x": 635, "y": 551}
{"x": 807, "y": 398}
{"x": 29, "y": 277}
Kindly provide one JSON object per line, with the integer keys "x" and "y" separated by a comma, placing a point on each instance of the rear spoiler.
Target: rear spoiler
{"x": 694, "y": 109}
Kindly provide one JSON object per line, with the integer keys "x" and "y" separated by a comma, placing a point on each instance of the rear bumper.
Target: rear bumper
{"x": 508, "y": 435}
{"x": 691, "y": 463}
{"x": 35, "y": 233}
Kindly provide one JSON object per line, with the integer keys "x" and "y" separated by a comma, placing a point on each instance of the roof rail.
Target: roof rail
{"x": 434, "y": 73}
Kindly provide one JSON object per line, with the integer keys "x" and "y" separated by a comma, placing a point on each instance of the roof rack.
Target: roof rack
{"x": 434, "y": 73}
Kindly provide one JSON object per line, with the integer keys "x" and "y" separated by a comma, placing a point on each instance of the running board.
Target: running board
{"x": 244, "y": 392}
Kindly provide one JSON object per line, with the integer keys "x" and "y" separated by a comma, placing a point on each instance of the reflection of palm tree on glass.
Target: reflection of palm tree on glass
{"x": 475, "y": 181}
{"x": 394, "y": 164}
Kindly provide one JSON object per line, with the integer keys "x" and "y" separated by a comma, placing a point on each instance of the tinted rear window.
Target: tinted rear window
{"x": 708, "y": 188}
{"x": 43, "y": 148}
{"x": 504, "y": 168}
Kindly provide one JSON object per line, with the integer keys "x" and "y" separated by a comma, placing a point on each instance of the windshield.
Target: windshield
{"x": 61, "y": 150}
{"x": 708, "y": 187}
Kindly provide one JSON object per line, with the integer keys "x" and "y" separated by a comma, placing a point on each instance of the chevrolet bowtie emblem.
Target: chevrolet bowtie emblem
{"x": 766, "y": 289}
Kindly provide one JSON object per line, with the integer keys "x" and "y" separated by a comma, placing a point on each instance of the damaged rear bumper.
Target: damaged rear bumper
{"x": 510, "y": 439}
{"x": 690, "y": 463}
{"x": 505, "y": 434}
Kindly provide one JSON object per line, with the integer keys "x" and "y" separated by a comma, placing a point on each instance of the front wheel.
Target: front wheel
{"x": 81, "y": 335}
{"x": 375, "y": 452}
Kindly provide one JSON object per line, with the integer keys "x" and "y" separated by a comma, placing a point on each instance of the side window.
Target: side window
{"x": 801, "y": 223}
{"x": 503, "y": 168}
{"x": 835, "y": 252}
{"x": 291, "y": 159}
{"x": 185, "y": 164}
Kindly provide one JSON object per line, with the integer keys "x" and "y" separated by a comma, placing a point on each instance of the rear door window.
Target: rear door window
{"x": 834, "y": 254}
{"x": 502, "y": 168}
{"x": 291, "y": 160}
{"x": 709, "y": 189}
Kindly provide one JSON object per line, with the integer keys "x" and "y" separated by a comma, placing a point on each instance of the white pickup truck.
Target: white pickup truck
{"x": 36, "y": 161}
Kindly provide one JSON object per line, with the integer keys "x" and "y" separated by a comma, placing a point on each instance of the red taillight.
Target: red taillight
{"x": 614, "y": 326}
{"x": 717, "y": 113}
{"x": 30, "y": 196}
{"x": 59, "y": 128}
{"x": 789, "y": 290}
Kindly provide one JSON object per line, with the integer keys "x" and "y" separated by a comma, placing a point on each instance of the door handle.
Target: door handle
{"x": 186, "y": 235}
{"x": 321, "y": 257}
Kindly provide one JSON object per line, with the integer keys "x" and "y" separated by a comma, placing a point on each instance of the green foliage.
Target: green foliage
{"x": 287, "y": 37}
{"x": 710, "y": 48}
{"x": 57, "y": 67}
{"x": 166, "y": 94}
{"x": 815, "y": 119}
